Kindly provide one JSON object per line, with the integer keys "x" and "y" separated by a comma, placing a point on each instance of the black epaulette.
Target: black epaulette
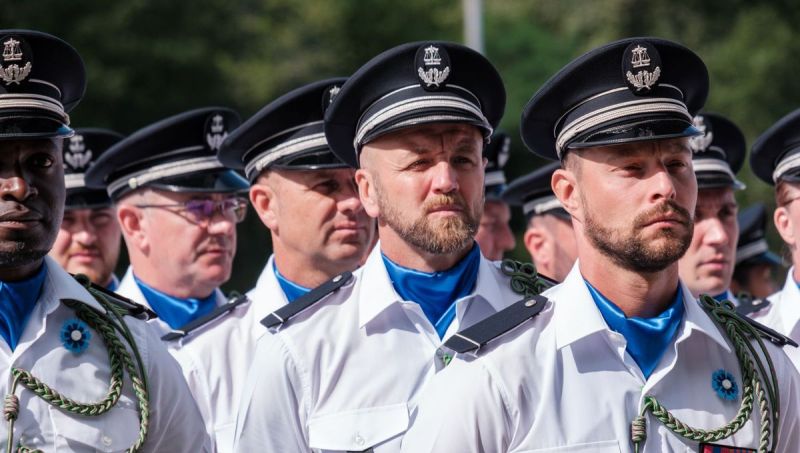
{"x": 125, "y": 305}
{"x": 748, "y": 305}
{"x": 769, "y": 334}
{"x": 477, "y": 335}
{"x": 218, "y": 312}
{"x": 303, "y": 302}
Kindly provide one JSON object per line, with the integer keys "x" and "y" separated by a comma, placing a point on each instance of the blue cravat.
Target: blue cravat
{"x": 647, "y": 338}
{"x": 723, "y": 297}
{"x": 174, "y": 311}
{"x": 113, "y": 284}
{"x": 290, "y": 289}
{"x": 17, "y": 300}
{"x": 436, "y": 292}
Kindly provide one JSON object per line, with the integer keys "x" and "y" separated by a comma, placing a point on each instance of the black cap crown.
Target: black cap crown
{"x": 412, "y": 84}
{"x": 752, "y": 246}
{"x": 80, "y": 152}
{"x": 718, "y": 154}
{"x": 286, "y": 134}
{"x": 776, "y": 153}
{"x": 496, "y": 152}
{"x": 178, "y": 154}
{"x": 630, "y": 90}
{"x": 42, "y": 78}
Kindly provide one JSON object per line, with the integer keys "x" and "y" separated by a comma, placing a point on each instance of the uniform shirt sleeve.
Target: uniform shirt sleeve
{"x": 462, "y": 409}
{"x": 175, "y": 421}
{"x": 789, "y": 436}
{"x": 272, "y": 413}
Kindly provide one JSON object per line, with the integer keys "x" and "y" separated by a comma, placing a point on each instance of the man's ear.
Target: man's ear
{"x": 565, "y": 188}
{"x": 265, "y": 203}
{"x": 366, "y": 192}
{"x": 537, "y": 243}
{"x": 133, "y": 226}
{"x": 785, "y": 227}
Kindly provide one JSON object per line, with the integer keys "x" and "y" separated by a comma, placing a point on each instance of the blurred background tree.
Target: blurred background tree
{"x": 149, "y": 59}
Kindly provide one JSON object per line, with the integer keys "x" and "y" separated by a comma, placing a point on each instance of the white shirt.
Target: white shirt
{"x": 783, "y": 315}
{"x": 563, "y": 382}
{"x": 128, "y": 288}
{"x": 343, "y": 375}
{"x": 175, "y": 423}
{"x": 215, "y": 357}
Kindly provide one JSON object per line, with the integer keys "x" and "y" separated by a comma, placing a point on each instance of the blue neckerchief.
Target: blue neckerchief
{"x": 113, "y": 284}
{"x": 291, "y": 289}
{"x": 436, "y": 292}
{"x": 17, "y": 300}
{"x": 647, "y": 338}
{"x": 174, "y": 311}
{"x": 725, "y": 295}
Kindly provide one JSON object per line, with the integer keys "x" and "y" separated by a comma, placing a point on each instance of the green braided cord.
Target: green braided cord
{"x": 119, "y": 357}
{"x": 524, "y": 278}
{"x": 740, "y": 333}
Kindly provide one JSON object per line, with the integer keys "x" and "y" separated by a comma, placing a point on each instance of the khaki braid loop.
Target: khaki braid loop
{"x": 524, "y": 277}
{"x": 742, "y": 335}
{"x": 110, "y": 326}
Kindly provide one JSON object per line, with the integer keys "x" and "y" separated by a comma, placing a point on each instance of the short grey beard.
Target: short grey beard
{"x": 632, "y": 252}
{"x": 452, "y": 235}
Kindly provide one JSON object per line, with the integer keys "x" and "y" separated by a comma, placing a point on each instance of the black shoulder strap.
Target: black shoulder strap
{"x": 748, "y": 305}
{"x": 770, "y": 334}
{"x": 218, "y": 312}
{"x": 474, "y": 337}
{"x": 305, "y": 301}
{"x": 125, "y": 305}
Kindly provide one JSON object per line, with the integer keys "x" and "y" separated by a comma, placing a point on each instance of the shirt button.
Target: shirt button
{"x": 359, "y": 440}
{"x": 106, "y": 441}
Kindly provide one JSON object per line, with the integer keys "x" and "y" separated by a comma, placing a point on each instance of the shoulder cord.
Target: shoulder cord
{"x": 525, "y": 279}
{"x": 755, "y": 380}
{"x": 108, "y": 325}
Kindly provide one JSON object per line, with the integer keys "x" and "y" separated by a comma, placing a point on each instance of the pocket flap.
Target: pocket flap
{"x": 359, "y": 429}
{"x": 116, "y": 430}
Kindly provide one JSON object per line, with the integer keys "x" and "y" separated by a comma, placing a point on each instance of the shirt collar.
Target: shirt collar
{"x": 59, "y": 285}
{"x": 376, "y": 292}
{"x": 267, "y": 295}
{"x": 789, "y": 304}
{"x": 576, "y": 316}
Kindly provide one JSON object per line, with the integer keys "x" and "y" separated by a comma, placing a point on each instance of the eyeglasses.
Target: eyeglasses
{"x": 201, "y": 211}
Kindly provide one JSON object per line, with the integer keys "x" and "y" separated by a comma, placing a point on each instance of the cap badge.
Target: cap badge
{"x": 433, "y": 67}
{"x": 77, "y": 156}
{"x": 13, "y": 52}
{"x": 641, "y": 66}
{"x": 701, "y": 143}
{"x": 215, "y": 132}
{"x": 329, "y": 95}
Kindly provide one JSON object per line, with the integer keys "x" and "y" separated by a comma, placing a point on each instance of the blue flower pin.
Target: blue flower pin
{"x": 724, "y": 384}
{"x": 75, "y": 335}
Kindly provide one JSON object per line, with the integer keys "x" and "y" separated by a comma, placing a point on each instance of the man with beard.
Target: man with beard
{"x": 79, "y": 372}
{"x": 548, "y": 236}
{"x": 89, "y": 238}
{"x": 494, "y": 236}
{"x": 707, "y": 266}
{"x": 308, "y": 200}
{"x": 178, "y": 207}
{"x": 341, "y": 368}
{"x": 621, "y": 356}
{"x": 774, "y": 159}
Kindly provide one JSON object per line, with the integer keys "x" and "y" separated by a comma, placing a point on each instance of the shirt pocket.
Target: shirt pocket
{"x": 115, "y": 431}
{"x": 606, "y": 446}
{"x": 358, "y": 430}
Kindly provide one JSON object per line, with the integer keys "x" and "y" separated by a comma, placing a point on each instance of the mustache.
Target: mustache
{"x": 444, "y": 200}
{"x": 667, "y": 208}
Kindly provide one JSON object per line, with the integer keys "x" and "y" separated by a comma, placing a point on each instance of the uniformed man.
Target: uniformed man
{"x": 307, "y": 199}
{"x": 89, "y": 238}
{"x": 621, "y": 356}
{"x": 494, "y": 236}
{"x": 774, "y": 160}
{"x": 707, "y": 265}
{"x": 343, "y": 368}
{"x": 755, "y": 263}
{"x": 548, "y": 236}
{"x": 178, "y": 207}
{"x": 79, "y": 374}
